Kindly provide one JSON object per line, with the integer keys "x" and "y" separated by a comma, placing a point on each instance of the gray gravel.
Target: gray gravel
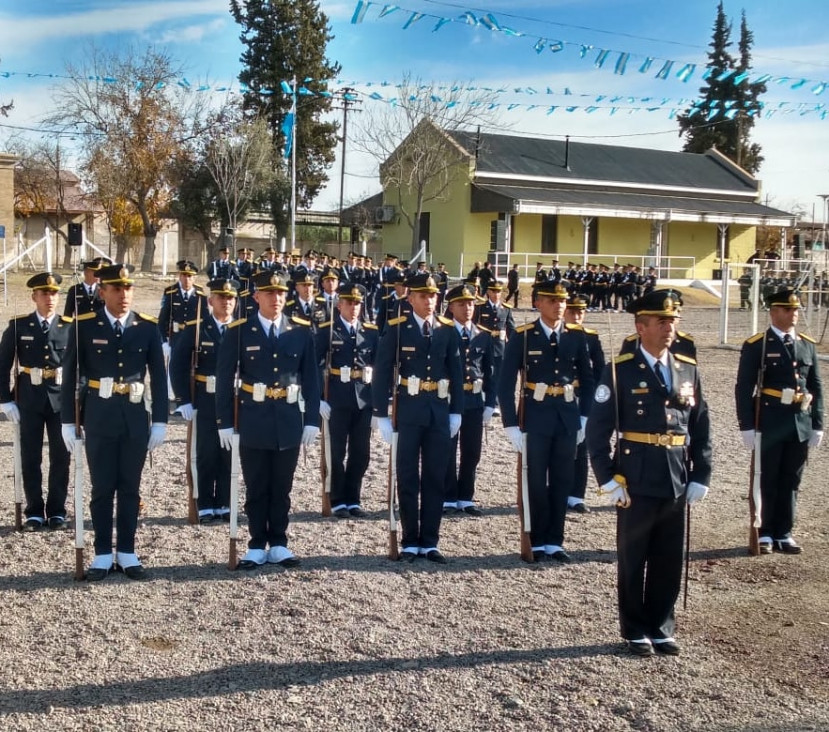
{"x": 351, "y": 641}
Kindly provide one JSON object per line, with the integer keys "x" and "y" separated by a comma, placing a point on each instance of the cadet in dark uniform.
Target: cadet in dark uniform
{"x": 274, "y": 358}
{"x": 394, "y": 303}
{"x": 682, "y": 344}
{"x": 477, "y": 361}
{"x": 429, "y": 399}
{"x": 347, "y": 348}
{"x": 38, "y": 342}
{"x": 574, "y": 315}
{"x": 83, "y": 297}
{"x": 116, "y": 348}
{"x": 442, "y": 278}
{"x": 222, "y": 268}
{"x": 791, "y": 415}
{"x": 662, "y": 461}
{"x": 198, "y": 399}
{"x": 327, "y": 299}
{"x": 513, "y": 285}
{"x": 179, "y": 304}
{"x": 555, "y": 358}
{"x": 304, "y": 305}
{"x": 497, "y": 318}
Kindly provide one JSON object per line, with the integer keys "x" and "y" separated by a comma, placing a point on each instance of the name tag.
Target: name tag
{"x": 99, "y": 342}
{"x": 252, "y": 348}
{"x": 207, "y": 343}
{"x": 336, "y": 343}
{"x": 640, "y": 391}
{"x": 408, "y": 348}
{"x": 535, "y": 353}
{"x": 773, "y": 355}
{"x": 27, "y": 338}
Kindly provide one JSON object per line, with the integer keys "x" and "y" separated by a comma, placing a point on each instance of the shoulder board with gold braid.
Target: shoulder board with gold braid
{"x": 170, "y": 290}
{"x": 199, "y": 289}
{"x": 525, "y": 327}
{"x": 300, "y": 321}
{"x": 685, "y": 359}
{"x": 573, "y": 326}
{"x": 87, "y": 316}
{"x": 370, "y": 326}
{"x": 445, "y": 321}
{"x": 483, "y": 329}
{"x": 385, "y": 297}
{"x": 686, "y": 336}
{"x": 66, "y": 318}
{"x": 236, "y": 322}
{"x": 325, "y": 325}
{"x": 806, "y": 338}
{"x": 506, "y": 305}
{"x": 23, "y": 315}
{"x": 150, "y": 318}
{"x": 289, "y": 303}
{"x": 590, "y": 331}
{"x": 396, "y": 321}
{"x": 756, "y": 337}
{"x": 623, "y": 357}
{"x": 632, "y": 337}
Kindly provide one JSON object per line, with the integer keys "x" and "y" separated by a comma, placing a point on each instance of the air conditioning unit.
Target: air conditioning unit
{"x": 384, "y": 214}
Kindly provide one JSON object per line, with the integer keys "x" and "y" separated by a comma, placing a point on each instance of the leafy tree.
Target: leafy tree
{"x": 725, "y": 114}
{"x": 286, "y": 39}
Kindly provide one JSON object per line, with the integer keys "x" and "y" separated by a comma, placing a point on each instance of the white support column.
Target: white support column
{"x": 586, "y": 221}
{"x": 47, "y": 247}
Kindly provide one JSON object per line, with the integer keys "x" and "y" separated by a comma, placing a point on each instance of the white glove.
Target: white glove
{"x": 454, "y": 424}
{"x": 515, "y": 437}
{"x": 748, "y": 439}
{"x": 325, "y": 410}
{"x": 385, "y": 428}
{"x": 186, "y": 411}
{"x": 816, "y": 438}
{"x": 488, "y": 412}
{"x": 695, "y": 492}
{"x": 67, "y": 431}
{"x": 309, "y": 434}
{"x": 225, "y": 436}
{"x": 166, "y": 349}
{"x": 615, "y": 494}
{"x": 158, "y": 431}
{"x": 580, "y": 433}
{"x": 11, "y": 411}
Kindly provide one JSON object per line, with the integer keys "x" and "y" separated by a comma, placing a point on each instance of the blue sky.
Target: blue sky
{"x": 790, "y": 40}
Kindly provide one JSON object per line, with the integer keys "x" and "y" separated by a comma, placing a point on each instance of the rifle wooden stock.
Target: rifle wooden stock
{"x": 526, "y": 547}
{"x": 18, "y": 477}
{"x": 78, "y": 496}
{"x": 325, "y": 452}
{"x": 191, "y": 469}
{"x": 756, "y": 469}
{"x": 391, "y": 491}
{"x": 235, "y": 470}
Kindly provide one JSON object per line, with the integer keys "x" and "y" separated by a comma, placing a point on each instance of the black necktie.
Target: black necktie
{"x": 307, "y": 309}
{"x": 465, "y": 333}
{"x": 352, "y": 332}
{"x": 660, "y": 376}
{"x": 554, "y": 338}
{"x": 118, "y": 329}
{"x": 272, "y": 334}
{"x": 45, "y": 326}
{"x": 427, "y": 331}
{"x": 789, "y": 343}
{"x": 184, "y": 296}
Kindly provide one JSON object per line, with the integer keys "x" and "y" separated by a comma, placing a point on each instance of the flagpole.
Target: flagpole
{"x": 293, "y": 167}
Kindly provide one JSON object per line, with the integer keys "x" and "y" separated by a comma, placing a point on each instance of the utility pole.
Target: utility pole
{"x": 348, "y": 99}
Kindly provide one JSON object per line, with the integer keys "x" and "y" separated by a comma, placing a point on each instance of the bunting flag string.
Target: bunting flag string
{"x": 541, "y": 44}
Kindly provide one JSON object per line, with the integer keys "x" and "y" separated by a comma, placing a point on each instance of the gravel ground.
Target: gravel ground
{"x": 351, "y": 641}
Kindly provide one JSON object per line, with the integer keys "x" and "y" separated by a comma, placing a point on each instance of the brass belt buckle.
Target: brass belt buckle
{"x": 663, "y": 440}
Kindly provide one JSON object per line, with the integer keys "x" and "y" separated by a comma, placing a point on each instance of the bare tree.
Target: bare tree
{"x": 411, "y": 140}
{"x": 134, "y": 119}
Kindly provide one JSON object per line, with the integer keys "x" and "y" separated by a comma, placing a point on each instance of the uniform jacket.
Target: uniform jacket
{"x": 435, "y": 358}
{"x": 555, "y": 366}
{"x": 391, "y": 307}
{"x": 499, "y": 321}
{"x": 478, "y": 363}
{"x": 290, "y": 360}
{"x": 224, "y": 269}
{"x": 645, "y": 407}
{"x": 79, "y": 295}
{"x": 780, "y": 371}
{"x": 175, "y": 313}
{"x": 683, "y": 344}
{"x": 356, "y": 353}
{"x": 24, "y": 338}
{"x": 595, "y": 352}
{"x": 100, "y": 354}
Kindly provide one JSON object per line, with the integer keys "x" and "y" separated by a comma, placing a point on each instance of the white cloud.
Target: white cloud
{"x": 192, "y": 33}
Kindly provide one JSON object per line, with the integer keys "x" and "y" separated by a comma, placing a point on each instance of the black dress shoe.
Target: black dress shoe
{"x": 580, "y": 508}
{"x": 56, "y": 523}
{"x": 32, "y": 524}
{"x": 288, "y": 562}
{"x": 666, "y": 648}
{"x": 136, "y": 572}
{"x": 225, "y": 517}
{"x": 450, "y": 510}
{"x": 436, "y": 556}
{"x": 408, "y": 556}
{"x": 473, "y": 511}
{"x": 787, "y": 547}
{"x": 640, "y": 648}
{"x": 357, "y": 512}
{"x": 342, "y": 513}
{"x": 765, "y": 547}
{"x": 539, "y": 555}
{"x": 94, "y": 574}
{"x": 561, "y": 556}
{"x": 247, "y": 565}
{"x": 207, "y": 518}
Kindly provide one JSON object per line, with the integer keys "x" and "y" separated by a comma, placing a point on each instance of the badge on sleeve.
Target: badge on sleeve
{"x": 602, "y": 393}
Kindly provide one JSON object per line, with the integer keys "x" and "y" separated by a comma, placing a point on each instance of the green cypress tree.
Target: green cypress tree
{"x": 284, "y": 39}
{"x": 748, "y": 96}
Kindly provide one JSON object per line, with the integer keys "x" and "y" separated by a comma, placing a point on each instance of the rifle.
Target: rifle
{"x": 755, "y": 500}
{"x": 325, "y": 453}
{"x": 192, "y": 470}
{"x": 78, "y": 455}
{"x": 523, "y": 473}
{"x": 393, "y": 547}
{"x": 16, "y": 447}
{"x": 235, "y": 463}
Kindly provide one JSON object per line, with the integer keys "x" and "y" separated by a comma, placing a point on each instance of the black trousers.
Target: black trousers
{"x": 580, "y": 472}
{"x": 350, "y": 431}
{"x": 782, "y": 463}
{"x": 512, "y": 295}
{"x": 422, "y": 454}
{"x": 32, "y": 424}
{"x": 115, "y": 463}
{"x": 460, "y": 476}
{"x": 213, "y": 466}
{"x": 269, "y": 475}
{"x": 550, "y": 472}
{"x": 649, "y": 541}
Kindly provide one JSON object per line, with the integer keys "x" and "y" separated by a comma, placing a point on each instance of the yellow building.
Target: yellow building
{"x": 519, "y": 200}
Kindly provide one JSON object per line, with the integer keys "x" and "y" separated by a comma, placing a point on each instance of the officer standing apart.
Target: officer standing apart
{"x": 199, "y": 399}
{"x": 662, "y": 461}
{"x": 348, "y": 347}
{"x": 477, "y": 361}
{"x": 83, "y": 297}
{"x": 115, "y": 349}
{"x": 38, "y": 342}
{"x": 791, "y": 415}
{"x": 554, "y": 359}
{"x": 274, "y": 359}
{"x": 574, "y": 315}
{"x": 425, "y": 348}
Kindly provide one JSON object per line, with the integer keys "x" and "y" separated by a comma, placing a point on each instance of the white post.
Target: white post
{"x": 164, "y": 255}
{"x": 363, "y": 248}
{"x": 293, "y": 167}
{"x": 282, "y": 245}
{"x": 724, "y": 306}
{"x": 48, "y": 248}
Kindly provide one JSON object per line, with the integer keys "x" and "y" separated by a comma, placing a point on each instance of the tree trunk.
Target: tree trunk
{"x": 67, "y": 256}
{"x": 149, "y": 253}
{"x": 416, "y": 225}
{"x": 120, "y": 247}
